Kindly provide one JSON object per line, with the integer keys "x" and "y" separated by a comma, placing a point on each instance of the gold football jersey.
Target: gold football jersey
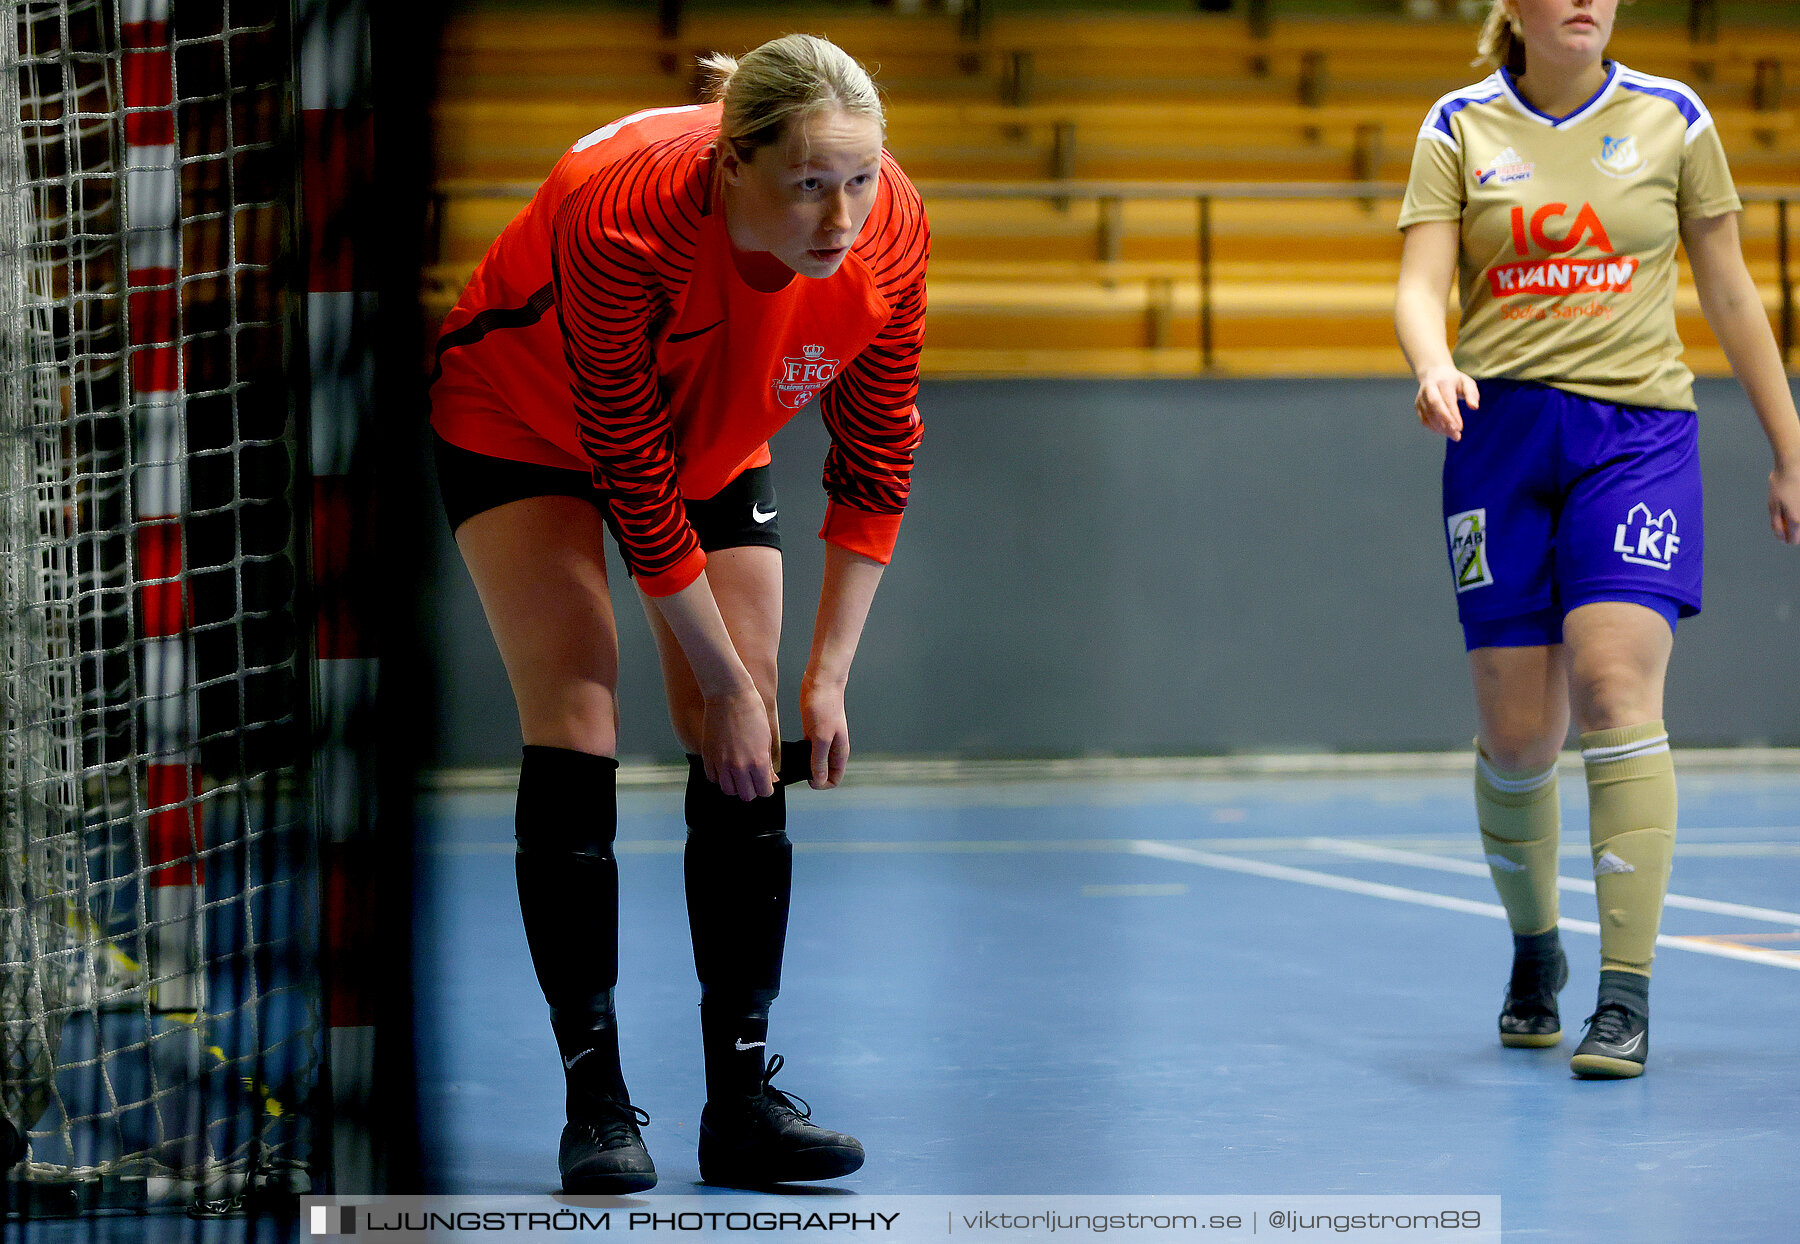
{"x": 1569, "y": 227}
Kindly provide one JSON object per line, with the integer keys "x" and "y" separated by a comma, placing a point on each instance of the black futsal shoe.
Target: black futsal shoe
{"x": 768, "y": 1137}
{"x": 1528, "y": 1016}
{"x": 604, "y": 1155}
{"x": 1616, "y": 1045}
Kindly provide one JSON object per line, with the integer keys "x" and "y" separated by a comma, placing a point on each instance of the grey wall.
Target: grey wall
{"x": 1178, "y": 567}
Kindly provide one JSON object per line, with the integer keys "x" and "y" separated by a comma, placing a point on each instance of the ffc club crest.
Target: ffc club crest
{"x": 1619, "y": 156}
{"x": 1468, "y": 549}
{"x": 802, "y": 378}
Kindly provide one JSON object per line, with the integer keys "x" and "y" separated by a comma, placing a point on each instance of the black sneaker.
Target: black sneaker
{"x": 768, "y": 1137}
{"x": 605, "y": 1155}
{"x": 1617, "y": 1042}
{"x": 1528, "y": 1016}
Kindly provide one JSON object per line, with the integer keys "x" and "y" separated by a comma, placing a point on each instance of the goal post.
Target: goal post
{"x": 164, "y": 1019}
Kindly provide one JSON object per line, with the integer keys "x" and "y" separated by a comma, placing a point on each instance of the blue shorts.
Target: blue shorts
{"x": 1552, "y": 501}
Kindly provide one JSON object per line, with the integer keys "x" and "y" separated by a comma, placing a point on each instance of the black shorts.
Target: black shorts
{"x": 741, "y": 513}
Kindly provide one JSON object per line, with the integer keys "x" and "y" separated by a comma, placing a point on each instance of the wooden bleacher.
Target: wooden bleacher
{"x": 1069, "y": 56}
{"x": 1298, "y": 286}
{"x": 510, "y": 139}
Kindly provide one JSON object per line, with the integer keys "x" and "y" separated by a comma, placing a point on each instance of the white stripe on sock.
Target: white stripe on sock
{"x": 1514, "y": 786}
{"x": 1625, "y": 751}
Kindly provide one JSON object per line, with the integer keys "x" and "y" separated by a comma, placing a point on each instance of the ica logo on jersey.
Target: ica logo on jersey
{"x": 1542, "y": 232}
{"x": 1468, "y": 549}
{"x": 802, "y": 378}
{"x": 1644, "y": 540}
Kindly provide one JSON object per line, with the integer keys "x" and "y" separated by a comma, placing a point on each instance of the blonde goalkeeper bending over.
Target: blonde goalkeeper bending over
{"x": 1554, "y": 191}
{"x": 685, "y": 282}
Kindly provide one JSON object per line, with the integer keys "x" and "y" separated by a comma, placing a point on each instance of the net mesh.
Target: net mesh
{"x": 160, "y": 1017}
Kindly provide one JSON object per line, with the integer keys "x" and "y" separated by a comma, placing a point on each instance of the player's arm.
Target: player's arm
{"x": 845, "y": 595}
{"x": 1735, "y": 312}
{"x": 605, "y": 303}
{"x": 735, "y": 726}
{"x": 871, "y": 407}
{"x": 1421, "y": 302}
{"x": 871, "y": 411}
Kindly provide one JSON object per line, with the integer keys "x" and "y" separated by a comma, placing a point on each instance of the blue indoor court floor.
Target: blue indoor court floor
{"x": 1157, "y": 983}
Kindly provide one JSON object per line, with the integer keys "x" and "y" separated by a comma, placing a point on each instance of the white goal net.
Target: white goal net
{"x": 159, "y": 997}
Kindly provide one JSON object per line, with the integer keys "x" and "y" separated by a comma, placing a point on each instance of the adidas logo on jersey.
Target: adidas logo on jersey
{"x": 1644, "y": 540}
{"x": 1504, "y": 169}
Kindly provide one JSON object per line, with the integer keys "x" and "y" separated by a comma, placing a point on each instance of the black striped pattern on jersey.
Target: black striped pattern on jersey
{"x": 487, "y": 321}
{"x": 624, "y": 244}
{"x": 870, "y": 408}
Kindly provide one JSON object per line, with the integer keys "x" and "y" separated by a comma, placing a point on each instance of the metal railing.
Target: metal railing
{"x": 1111, "y": 196}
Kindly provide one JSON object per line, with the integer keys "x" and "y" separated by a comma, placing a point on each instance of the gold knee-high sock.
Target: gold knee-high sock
{"x": 1631, "y": 812}
{"x": 1521, "y": 828}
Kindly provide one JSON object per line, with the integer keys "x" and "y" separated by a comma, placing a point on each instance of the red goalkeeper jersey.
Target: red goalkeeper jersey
{"x": 608, "y": 329}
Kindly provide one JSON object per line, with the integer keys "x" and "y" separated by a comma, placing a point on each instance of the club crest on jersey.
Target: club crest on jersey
{"x": 1647, "y": 540}
{"x": 1468, "y": 549}
{"x": 1619, "y": 156}
{"x": 1504, "y": 169}
{"x": 802, "y": 378}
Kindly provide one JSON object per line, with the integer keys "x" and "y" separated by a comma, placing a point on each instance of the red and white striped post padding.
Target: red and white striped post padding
{"x": 337, "y": 137}
{"x": 174, "y": 833}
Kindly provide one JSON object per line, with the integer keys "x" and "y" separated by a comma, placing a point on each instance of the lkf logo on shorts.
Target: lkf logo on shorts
{"x": 1468, "y": 549}
{"x": 1619, "y": 156}
{"x": 802, "y": 378}
{"x": 1644, "y": 540}
{"x": 1504, "y": 169}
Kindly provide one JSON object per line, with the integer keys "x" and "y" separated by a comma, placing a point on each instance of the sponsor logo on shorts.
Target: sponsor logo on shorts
{"x": 1619, "y": 156}
{"x": 1504, "y": 170}
{"x": 1468, "y": 549}
{"x": 802, "y": 378}
{"x": 759, "y": 515}
{"x": 1647, "y": 540}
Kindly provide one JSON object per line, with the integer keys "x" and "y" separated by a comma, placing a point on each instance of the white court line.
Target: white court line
{"x": 1424, "y": 898}
{"x": 1468, "y": 868}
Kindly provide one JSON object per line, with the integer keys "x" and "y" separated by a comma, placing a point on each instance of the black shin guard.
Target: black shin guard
{"x": 739, "y": 870}
{"x": 569, "y": 896}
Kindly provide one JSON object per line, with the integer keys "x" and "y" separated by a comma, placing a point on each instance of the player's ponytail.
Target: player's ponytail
{"x": 784, "y": 80}
{"x": 1499, "y": 42}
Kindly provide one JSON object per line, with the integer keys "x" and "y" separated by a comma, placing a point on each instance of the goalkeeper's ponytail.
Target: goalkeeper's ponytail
{"x": 784, "y": 80}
